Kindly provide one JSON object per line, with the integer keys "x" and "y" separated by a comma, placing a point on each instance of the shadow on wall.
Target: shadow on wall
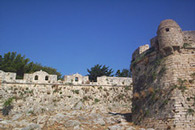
{"x": 127, "y": 116}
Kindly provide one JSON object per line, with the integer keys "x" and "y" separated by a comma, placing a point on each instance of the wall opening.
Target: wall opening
{"x": 36, "y": 77}
{"x": 76, "y": 79}
{"x": 167, "y": 29}
{"x": 46, "y": 77}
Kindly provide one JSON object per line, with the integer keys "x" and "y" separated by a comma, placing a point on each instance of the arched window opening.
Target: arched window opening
{"x": 36, "y": 77}
{"x": 76, "y": 79}
{"x": 46, "y": 77}
{"x": 167, "y": 29}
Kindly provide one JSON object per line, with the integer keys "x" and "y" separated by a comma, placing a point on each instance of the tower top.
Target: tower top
{"x": 167, "y": 24}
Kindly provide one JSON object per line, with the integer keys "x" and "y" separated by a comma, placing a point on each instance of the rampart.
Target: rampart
{"x": 41, "y": 92}
{"x": 164, "y": 80}
{"x": 42, "y": 77}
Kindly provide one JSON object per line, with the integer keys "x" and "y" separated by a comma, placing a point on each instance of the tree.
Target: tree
{"x": 124, "y": 73}
{"x": 97, "y": 71}
{"x": 13, "y": 62}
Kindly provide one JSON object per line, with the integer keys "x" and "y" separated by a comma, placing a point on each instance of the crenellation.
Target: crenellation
{"x": 7, "y": 76}
{"x": 42, "y": 77}
{"x": 105, "y": 80}
{"x": 76, "y": 79}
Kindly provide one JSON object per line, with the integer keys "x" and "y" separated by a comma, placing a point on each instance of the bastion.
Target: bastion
{"x": 164, "y": 80}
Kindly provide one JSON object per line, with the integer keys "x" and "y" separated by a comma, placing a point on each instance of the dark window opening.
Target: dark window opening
{"x": 167, "y": 29}
{"x": 36, "y": 77}
{"x": 46, "y": 77}
{"x": 76, "y": 79}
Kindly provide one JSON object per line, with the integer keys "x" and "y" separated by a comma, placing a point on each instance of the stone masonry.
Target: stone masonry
{"x": 164, "y": 80}
{"x": 75, "y": 79}
{"x": 41, "y": 92}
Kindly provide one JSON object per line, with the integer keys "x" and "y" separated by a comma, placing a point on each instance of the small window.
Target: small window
{"x": 36, "y": 77}
{"x": 167, "y": 29}
{"x": 46, "y": 77}
{"x": 76, "y": 79}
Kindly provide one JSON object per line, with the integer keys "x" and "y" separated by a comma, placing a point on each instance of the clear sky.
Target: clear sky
{"x": 73, "y": 35}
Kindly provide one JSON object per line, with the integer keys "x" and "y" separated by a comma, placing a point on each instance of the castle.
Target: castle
{"x": 164, "y": 79}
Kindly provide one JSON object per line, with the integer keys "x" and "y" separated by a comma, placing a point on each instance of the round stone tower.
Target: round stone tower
{"x": 170, "y": 36}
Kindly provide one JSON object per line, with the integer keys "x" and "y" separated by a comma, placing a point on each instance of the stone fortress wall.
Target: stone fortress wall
{"x": 41, "y": 92}
{"x": 41, "y": 98}
{"x": 75, "y": 79}
{"x": 164, "y": 79}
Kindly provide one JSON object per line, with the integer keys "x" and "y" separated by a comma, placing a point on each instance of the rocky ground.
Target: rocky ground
{"x": 94, "y": 119}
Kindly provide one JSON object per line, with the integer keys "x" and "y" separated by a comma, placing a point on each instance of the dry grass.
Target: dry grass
{"x": 136, "y": 95}
{"x": 143, "y": 94}
{"x": 151, "y": 90}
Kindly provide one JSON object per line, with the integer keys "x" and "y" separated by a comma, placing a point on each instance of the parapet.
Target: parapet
{"x": 139, "y": 51}
{"x": 189, "y": 39}
{"x": 76, "y": 79}
{"x": 106, "y": 80}
{"x": 40, "y": 77}
{"x": 7, "y": 76}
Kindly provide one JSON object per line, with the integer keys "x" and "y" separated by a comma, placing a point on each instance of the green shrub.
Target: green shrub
{"x": 54, "y": 91}
{"x": 186, "y": 45}
{"x": 188, "y": 99}
{"x": 85, "y": 98}
{"x": 127, "y": 87}
{"x": 190, "y": 111}
{"x": 162, "y": 71}
{"x": 96, "y": 100}
{"x": 31, "y": 112}
{"x": 181, "y": 86}
{"x": 75, "y": 91}
{"x": 193, "y": 75}
{"x": 100, "y": 87}
{"x": 147, "y": 113}
{"x": 7, "y": 106}
{"x": 153, "y": 76}
{"x": 8, "y": 102}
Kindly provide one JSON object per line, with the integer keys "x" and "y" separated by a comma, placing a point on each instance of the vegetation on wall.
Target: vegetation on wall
{"x": 7, "y": 106}
{"x": 13, "y": 62}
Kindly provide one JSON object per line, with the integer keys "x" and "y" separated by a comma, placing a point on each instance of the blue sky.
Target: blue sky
{"x": 73, "y": 35}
